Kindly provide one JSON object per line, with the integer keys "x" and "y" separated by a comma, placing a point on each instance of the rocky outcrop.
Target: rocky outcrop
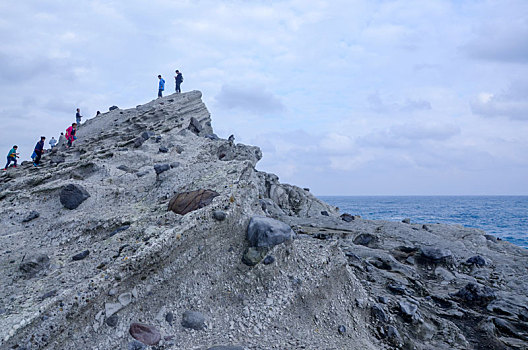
{"x": 183, "y": 244}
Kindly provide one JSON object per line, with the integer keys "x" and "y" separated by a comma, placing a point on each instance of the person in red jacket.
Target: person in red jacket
{"x": 70, "y": 134}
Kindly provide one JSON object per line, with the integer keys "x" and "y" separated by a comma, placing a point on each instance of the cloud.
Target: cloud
{"x": 500, "y": 40}
{"x": 249, "y": 98}
{"x": 376, "y": 104}
{"x": 510, "y": 103}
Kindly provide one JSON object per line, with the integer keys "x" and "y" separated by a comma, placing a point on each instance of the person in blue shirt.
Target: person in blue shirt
{"x": 78, "y": 117}
{"x": 161, "y": 86}
{"x": 39, "y": 149}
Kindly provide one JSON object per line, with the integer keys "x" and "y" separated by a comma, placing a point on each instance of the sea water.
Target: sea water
{"x": 502, "y": 216}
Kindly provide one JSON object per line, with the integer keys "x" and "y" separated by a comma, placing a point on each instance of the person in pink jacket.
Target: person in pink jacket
{"x": 70, "y": 134}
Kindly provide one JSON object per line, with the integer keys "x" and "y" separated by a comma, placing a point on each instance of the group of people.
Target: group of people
{"x": 39, "y": 147}
{"x": 178, "y": 80}
{"x": 72, "y": 130}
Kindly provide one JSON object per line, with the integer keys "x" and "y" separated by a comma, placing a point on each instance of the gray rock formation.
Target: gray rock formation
{"x": 342, "y": 283}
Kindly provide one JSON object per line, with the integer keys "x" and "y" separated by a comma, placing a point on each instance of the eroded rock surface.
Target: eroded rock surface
{"x": 168, "y": 239}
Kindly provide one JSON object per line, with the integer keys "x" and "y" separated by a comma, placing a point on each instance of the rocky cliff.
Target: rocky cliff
{"x": 152, "y": 232}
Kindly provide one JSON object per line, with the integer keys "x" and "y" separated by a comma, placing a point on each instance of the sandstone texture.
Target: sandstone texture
{"x": 153, "y": 233}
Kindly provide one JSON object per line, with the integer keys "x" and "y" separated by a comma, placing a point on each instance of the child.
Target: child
{"x": 11, "y": 157}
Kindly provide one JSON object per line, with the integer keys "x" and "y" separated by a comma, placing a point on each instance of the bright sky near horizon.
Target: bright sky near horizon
{"x": 346, "y": 97}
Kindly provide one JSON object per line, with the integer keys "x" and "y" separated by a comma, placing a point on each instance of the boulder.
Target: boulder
{"x": 112, "y": 321}
{"x": 185, "y": 202}
{"x": 366, "y": 239}
{"x": 163, "y": 149}
{"x": 33, "y": 264}
{"x": 267, "y": 232}
{"x": 435, "y": 255}
{"x": 475, "y": 294}
{"x": 71, "y": 196}
{"x": 113, "y": 108}
{"x": 193, "y": 319}
{"x": 144, "y": 333}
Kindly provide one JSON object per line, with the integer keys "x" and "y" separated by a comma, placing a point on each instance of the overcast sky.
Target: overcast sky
{"x": 344, "y": 97}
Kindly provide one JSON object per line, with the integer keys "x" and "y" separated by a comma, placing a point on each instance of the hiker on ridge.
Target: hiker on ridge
{"x": 78, "y": 117}
{"x": 70, "y": 134}
{"x": 161, "y": 86}
{"x": 11, "y": 157}
{"x": 179, "y": 79}
{"x": 39, "y": 150}
{"x": 52, "y": 142}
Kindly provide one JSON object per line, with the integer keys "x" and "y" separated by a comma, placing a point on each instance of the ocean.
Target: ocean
{"x": 502, "y": 216}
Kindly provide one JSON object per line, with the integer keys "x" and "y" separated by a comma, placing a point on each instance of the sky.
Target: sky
{"x": 345, "y": 97}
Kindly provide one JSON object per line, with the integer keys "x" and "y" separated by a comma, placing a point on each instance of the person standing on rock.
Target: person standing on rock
{"x": 52, "y": 142}
{"x": 161, "y": 86}
{"x": 78, "y": 117}
{"x": 11, "y": 157}
{"x": 70, "y": 134}
{"x": 39, "y": 150}
{"x": 179, "y": 79}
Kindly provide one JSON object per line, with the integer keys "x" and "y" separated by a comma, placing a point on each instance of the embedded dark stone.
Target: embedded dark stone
{"x": 163, "y": 149}
{"x": 160, "y": 168}
{"x": 71, "y": 196}
{"x": 212, "y": 137}
{"x": 194, "y": 320}
{"x": 112, "y": 320}
{"x": 31, "y": 216}
{"x": 185, "y": 202}
{"x": 226, "y": 347}
{"x": 219, "y": 215}
{"x": 406, "y": 221}
{"x": 138, "y": 141}
{"x": 267, "y": 232}
{"x": 253, "y": 255}
{"x": 347, "y": 217}
{"x": 366, "y": 239}
{"x": 34, "y": 264}
{"x": 476, "y": 260}
{"x": 147, "y": 134}
{"x": 113, "y": 108}
{"x": 119, "y": 229}
{"x": 136, "y": 345}
{"x": 195, "y": 126}
{"x": 435, "y": 255}
{"x": 378, "y": 313}
{"x": 341, "y": 329}
{"x": 474, "y": 294}
{"x": 169, "y": 317}
{"x": 81, "y": 255}
{"x": 49, "y": 294}
{"x": 270, "y": 259}
{"x": 144, "y": 333}
{"x": 325, "y": 213}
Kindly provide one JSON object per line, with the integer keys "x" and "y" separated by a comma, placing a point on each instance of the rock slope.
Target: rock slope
{"x": 152, "y": 232}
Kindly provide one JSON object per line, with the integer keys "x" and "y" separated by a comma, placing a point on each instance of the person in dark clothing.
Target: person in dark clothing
{"x": 179, "y": 79}
{"x": 78, "y": 117}
{"x": 161, "y": 86}
{"x": 39, "y": 149}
